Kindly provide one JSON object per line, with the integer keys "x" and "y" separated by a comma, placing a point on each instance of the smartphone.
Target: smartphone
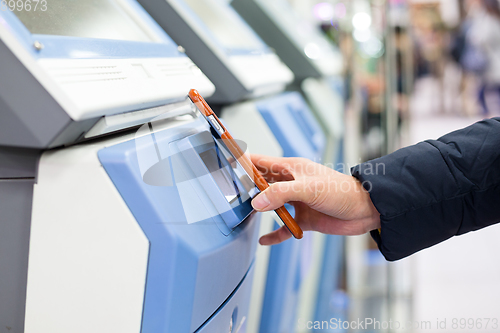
{"x": 239, "y": 155}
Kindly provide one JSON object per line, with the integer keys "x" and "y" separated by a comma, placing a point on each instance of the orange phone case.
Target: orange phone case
{"x": 245, "y": 162}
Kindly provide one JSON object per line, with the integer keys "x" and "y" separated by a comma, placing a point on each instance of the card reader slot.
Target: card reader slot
{"x": 109, "y": 124}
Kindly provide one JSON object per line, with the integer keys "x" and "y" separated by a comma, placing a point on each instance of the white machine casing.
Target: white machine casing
{"x": 90, "y": 257}
{"x": 99, "y": 253}
{"x": 128, "y": 84}
{"x": 75, "y": 81}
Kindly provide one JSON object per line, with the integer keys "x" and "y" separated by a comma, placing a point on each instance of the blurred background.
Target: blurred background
{"x": 336, "y": 81}
{"x": 415, "y": 70}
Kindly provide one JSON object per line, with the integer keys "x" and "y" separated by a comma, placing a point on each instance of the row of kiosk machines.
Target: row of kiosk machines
{"x": 119, "y": 210}
{"x": 317, "y": 65}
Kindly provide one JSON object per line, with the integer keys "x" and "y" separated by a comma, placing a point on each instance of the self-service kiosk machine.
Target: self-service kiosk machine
{"x": 317, "y": 65}
{"x": 226, "y": 49}
{"x": 215, "y": 36}
{"x": 232, "y": 56}
{"x": 291, "y": 265}
{"x": 301, "y": 46}
{"x": 119, "y": 210}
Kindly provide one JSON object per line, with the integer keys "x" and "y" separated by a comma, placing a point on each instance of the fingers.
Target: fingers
{"x": 280, "y": 193}
{"x": 273, "y": 169}
{"x": 266, "y": 162}
{"x": 275, "y": 237}
{"x": 278, "y": 177}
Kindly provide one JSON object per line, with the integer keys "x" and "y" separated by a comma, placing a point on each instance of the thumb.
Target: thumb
{"x": 275, "y": 237}
{"x": 277, "y": 194}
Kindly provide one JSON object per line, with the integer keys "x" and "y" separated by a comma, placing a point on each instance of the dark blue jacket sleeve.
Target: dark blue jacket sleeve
{"x": 436, "y": 189}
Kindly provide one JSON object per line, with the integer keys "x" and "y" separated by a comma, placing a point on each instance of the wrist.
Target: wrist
{"x": 369, "y": 212}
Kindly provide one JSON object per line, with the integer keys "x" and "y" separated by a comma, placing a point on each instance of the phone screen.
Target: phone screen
{"x": 244, "y": 177}
{"x": 223, "y": 176}
{"x": 230, "y": 147}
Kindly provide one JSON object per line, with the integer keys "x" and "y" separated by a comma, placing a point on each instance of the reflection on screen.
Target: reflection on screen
{"x": 221, "y": 174}
{"x": 245, "y": 182}
{"x": 103, "y": 19}
{"x": 229, "y": 30}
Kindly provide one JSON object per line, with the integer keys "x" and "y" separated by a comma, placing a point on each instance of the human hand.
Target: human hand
{"x": 325, "y": 200}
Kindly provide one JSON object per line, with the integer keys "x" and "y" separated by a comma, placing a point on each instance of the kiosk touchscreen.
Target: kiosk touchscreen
{"x": 302, "y": 46}
{"x": 148, "y": 231}
{"x": 81, "y": 61}
{"x": 222, "y": 44}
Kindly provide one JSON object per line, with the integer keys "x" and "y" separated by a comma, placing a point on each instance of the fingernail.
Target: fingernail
{"x": 260, "y": 202}
{"x": 263, "y": 242}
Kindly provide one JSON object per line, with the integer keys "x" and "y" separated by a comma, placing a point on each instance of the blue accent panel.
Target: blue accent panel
{"x": 280, "y": 300}
{"x": 9, "y": 20}
{"x": 331, "y": 302}
{"x": 234, "y": 217}
{"x": 90, "y": 48}
{"x": 235, "y": 309}
{"x": 288, "y": 149}
{"x": 307, "y": 128}
{"x": 299, "y": 135}
{"x": 339, "y": 160}
{"x": 246, "y": 52}
{"x": 329, "y": 284}
{"x": 192, "y": 268}
{"x": 293, "y": 125}
{"x": 282, "y": 286}
{"x": 337, "y": 84}
{"x": 93, "y": 48}
{"x": 309, "y": 125}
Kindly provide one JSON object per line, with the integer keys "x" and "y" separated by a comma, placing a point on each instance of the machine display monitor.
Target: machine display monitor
{"x": 227, "y": 27}
{"x": 103, "y": 19}
{"x": 231, "y": 178}
{"x": 201, "y": 164}
{"x": 221, "y": 174}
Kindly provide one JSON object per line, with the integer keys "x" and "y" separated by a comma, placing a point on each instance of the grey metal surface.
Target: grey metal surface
{"x": 273, "y": 36}
{"x": 228, "y": 88}
{"x": 29, "y": 116}
{"x": 74, "y": 132}
{"x": 15, "y": 220}
{"x": 18, "y": 162}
